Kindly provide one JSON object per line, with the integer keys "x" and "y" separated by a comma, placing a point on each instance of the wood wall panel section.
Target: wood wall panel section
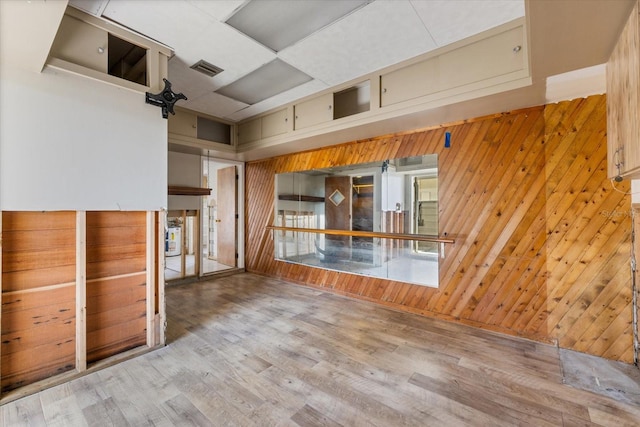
{"x": 116, "y": 282}
{"x": 543, "y": 240}
{"x": 38, "y": 296}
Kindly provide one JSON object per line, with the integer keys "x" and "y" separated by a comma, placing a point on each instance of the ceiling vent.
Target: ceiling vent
{"x": 206, "y": 68}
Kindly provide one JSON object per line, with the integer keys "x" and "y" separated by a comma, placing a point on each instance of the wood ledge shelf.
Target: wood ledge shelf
{"x": 175, "y": 190}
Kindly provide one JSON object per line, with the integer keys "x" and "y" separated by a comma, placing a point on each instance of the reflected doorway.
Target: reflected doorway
{"x": 425, "y": 214}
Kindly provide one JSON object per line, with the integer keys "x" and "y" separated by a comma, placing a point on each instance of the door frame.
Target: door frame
{"x": 219, "y": 163}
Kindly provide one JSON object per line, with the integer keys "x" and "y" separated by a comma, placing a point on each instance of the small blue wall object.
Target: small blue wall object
{"x": 447, "y": 139}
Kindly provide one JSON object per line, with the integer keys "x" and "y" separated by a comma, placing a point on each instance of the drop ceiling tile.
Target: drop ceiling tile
{"x": 219, "y": 9}
{"x": 163, "y": 22}
{"x": 214, "y": 104}
{"x": 380, "y": 34}
{"x": 226, "y": 48}
{"x": 188, "y": 81}
{"x": 449, "y": 21}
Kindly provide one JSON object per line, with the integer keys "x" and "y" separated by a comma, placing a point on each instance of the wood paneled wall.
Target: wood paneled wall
{"x": 116, "y": 282}
{"x": 38, "y": 296}
{"x": 542, "y": 239}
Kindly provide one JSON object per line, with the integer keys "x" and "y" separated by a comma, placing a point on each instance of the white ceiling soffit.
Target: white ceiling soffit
{"x": 281, "y": 23}
{"x": 271, "y": 79}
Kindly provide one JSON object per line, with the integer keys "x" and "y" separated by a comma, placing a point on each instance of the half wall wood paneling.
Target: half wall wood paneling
{"x": 543, "y": 240}
{"x": 116, "y": 282}
{"x": 38, "y": 296}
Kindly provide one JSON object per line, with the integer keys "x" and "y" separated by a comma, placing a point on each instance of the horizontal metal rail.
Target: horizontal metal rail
{"x": 356, "y": 233}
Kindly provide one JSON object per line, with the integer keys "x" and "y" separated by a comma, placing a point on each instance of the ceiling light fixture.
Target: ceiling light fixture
{"x": 269, "y": 80}
{"x": 280, "y": 23}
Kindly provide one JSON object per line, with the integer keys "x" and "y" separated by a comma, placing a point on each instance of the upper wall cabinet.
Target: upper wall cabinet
{"x": 485, "y": 64}
{"x": 197, "y": 130}
{"x": 273, "y": 124}
{"x": 102, "y": 50}
{"x": 489, "y": 61}
{"x": 623, "y": 101}
{"x": 314, "y": 111}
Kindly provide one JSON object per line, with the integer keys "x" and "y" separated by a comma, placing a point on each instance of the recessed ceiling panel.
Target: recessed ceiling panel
{"x": 449, "y": 21}
{"x": 271, "y": 79}
{"x": 280, "y": 23}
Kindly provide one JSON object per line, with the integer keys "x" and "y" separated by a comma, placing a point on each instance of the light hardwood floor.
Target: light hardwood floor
{"x": 252, "y": 351}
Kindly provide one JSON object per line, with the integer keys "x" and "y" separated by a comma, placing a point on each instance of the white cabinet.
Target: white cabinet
{"x": 80, "y": 43}
{"x": 183, "y": 123}
{"x": 276, "y": 123}
{"x": 490, "y": 61}
{"x": 623, "y": 101}
{"x": 314, "y": 111}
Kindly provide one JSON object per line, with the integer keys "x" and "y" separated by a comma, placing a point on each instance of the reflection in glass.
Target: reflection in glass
{"x": 397, "y": 196}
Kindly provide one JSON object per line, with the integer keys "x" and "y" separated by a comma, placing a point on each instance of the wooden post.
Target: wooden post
{"x": 151, "y": 278}
{"x": 197, "y": 244}
{"x": 161, "y": 318}
{"x": 0, "y": 289}
{"x": 81, "y": 291}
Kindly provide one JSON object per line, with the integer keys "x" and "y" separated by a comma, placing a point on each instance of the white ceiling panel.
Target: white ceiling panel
{"x": 226, "y": 48}
{"x": 220, "y": 10}
{"x": 214, "y": 104}
{"x": 161, "y": 21}
{"x": 451, "y": 20}
{"x": 380, "y": 34}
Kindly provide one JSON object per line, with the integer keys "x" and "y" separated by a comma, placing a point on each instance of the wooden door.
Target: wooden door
{"x": 226, "y": 195}
{"x": 337, "y": 216}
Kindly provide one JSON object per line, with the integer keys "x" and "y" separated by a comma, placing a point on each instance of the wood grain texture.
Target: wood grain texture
{"x": 247, "y": 350}
{"x": 116, "y": 285}
{"x": 623, "y": 91}
{"x": 542, "y": 239}
{"x": 38, "y": 296}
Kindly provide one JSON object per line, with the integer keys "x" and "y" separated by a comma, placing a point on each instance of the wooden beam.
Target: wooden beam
{"x": 175, "y": 190}
{"x": 151, "y": 239}
{"x": 81, "y": 291}
{"x": 162, "y": 217}
{"x": 0, "y": 289}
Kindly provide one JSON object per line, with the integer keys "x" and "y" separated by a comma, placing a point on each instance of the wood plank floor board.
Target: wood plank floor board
{"x": 246, "y": 350}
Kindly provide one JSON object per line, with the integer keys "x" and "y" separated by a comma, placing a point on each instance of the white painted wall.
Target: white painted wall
{"x": 68, "y": 142}
{"x": 185, "y": 170}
